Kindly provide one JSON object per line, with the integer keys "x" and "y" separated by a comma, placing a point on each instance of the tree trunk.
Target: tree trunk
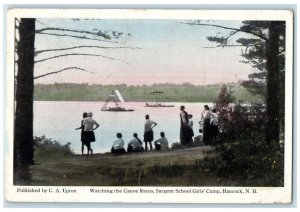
{"x": 23, "y": 140}
{"x": 273, "y": 84}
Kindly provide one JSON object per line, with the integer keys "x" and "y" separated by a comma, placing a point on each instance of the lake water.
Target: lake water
{"x": 58, "y": 120}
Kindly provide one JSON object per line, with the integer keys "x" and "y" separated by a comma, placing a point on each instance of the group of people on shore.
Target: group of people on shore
{"x": 88, "y": 125}
{"x": 209, "y": 130}
{"x": 210, "y": 126}
{"x": 136, "y": 145}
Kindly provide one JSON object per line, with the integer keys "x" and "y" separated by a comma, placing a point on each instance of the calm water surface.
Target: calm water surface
{"x": 58, "y": 120}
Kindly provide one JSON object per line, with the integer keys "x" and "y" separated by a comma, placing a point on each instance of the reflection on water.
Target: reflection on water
{"x": 58, "y": 120}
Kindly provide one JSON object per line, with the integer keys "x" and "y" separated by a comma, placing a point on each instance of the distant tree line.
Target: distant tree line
{"x": 171, "y": 92}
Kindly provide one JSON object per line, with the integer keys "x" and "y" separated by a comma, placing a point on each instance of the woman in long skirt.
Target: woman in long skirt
{"x": 206, "y": 116}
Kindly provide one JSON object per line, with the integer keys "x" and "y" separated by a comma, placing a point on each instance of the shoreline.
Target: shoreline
{"x": 165, "y": 152}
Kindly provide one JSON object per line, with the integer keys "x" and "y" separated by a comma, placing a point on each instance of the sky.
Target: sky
{"x": 168, "y": 52}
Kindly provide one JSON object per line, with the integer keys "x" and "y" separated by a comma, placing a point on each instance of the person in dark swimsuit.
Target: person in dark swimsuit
{"x": 84, "y": 115}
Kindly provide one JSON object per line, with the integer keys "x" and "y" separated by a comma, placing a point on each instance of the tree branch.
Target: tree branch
{"x": 229, "y": 28}
{"x": 230, "y": 45}
{"x": 40, "y": 22}
{"x": 76, "y": 54}
{"x": 75, "y": 36}
{"x": 76, "y": 47}
{"x": 73, "y": 30}
{"x": 55, "y": 72}
{"x": 231, "y": 34}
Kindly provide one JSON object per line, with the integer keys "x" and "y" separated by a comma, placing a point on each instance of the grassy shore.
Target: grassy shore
{"x": 181, "y": 167}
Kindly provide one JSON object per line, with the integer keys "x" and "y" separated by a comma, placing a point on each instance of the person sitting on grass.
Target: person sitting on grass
{"x": 162, "y": 143}
{"x": 135, "y": 145}
{"x": 118, "y": 146}
{"x": 198, "y": 140}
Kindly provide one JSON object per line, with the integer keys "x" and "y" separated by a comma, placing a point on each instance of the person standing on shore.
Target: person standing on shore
{"x": 206, "y": 116}
{"x": 214, "y": 126}
{"x": 83, "y": 142}
{"x": 191, "y": 124}
{"x": 184, "y": 126}
{"x": 148, "y": 133}
{"x": 89, "y": 135}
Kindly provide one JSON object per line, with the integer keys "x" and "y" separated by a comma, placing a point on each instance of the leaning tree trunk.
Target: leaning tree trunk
{"x": 273, "y": 84}
{"x": 23, "y": 140}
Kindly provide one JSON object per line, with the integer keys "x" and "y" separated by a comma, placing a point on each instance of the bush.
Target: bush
{"x": 47, "y": 143}
{"x": 242, "y": 149}
{"x": 250, "y": 158}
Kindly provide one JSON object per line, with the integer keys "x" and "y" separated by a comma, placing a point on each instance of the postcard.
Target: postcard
{"x": 149, "y": 106}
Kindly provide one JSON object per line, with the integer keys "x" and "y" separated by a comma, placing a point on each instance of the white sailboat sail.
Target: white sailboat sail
{"x": 119, "y": 96}
{"x": 115, "y": 96}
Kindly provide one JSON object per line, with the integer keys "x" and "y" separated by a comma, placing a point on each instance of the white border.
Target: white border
{"x": 280, "y": 15}
{"x": 265, "y": 194}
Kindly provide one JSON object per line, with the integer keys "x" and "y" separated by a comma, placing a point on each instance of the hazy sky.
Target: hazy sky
{"x": 170, "y": 53}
